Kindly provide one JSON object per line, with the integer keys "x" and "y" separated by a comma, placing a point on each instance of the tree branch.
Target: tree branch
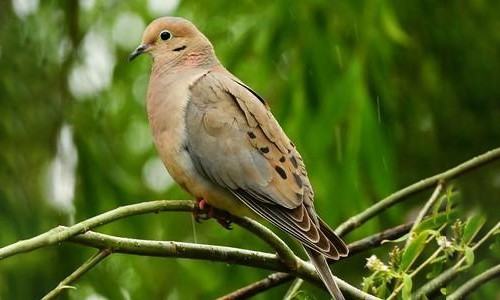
{"x": 472, "y": 284}
{"x": 80, "y": 233}
{"x": 60, "y": 234}
{"x": 285, "y": 261}
{"x": 183, "y": 250}
{"x": 84, "y": 268}
{"x": 253, "y": 289}
{"x": 428, "y": 205}
{"x": 284, "y": 252}
{"x": 224, "y": 254}
{"x": 376, "y": 240}
{"x": 276, "y": 279}
{"x": 422, "y": 185}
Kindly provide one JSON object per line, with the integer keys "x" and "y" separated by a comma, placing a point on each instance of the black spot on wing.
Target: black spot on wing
{"x": 280, "y": 171}
{"x": 298, "y": 180}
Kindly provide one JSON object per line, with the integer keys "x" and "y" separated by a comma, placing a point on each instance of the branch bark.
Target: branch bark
{"x": 60, "y": 234}
{"x": 474, "y": 283}
{"x": 422, "y": 185}
{"x": 224, "y": 254}
{"x": 84, "y": 268}
{"x": 277, "y": 279}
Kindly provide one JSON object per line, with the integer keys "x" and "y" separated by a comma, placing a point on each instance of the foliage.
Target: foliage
{"x": 375, "y": 94}
{"x": 448, "y": 244}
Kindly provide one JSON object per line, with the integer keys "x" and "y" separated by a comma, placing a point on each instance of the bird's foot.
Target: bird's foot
{"x": 205, "y": 211}
{"x": 224, "y": 220}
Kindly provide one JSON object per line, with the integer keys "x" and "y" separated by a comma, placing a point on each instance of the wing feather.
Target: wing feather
{"x": 236, "y": 143}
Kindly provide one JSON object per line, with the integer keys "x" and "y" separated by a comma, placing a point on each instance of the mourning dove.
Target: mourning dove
{"x": 220, "y": 142}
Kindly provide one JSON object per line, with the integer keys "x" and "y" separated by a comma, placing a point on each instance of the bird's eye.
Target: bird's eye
{"x": 165, "y": 35}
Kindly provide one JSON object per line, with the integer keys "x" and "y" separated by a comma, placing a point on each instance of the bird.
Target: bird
{"x": 220, "y": 142}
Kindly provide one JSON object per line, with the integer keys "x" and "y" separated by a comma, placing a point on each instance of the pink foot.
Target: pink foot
{"x": 205, "y": 212}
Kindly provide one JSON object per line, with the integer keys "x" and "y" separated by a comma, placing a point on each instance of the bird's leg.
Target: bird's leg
{"x": 205, "y": 211}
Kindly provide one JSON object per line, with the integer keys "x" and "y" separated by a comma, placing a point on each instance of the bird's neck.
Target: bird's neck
{"x": 201, "y": 58}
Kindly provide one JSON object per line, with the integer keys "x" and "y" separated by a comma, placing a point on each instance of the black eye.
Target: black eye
{"x": 165, "y": 35}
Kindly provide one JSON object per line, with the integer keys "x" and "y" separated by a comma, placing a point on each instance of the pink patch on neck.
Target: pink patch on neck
{"x": 196, "y": 59}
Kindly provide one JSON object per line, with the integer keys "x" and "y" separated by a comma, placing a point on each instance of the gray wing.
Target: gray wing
{"x": 235, "y": 142}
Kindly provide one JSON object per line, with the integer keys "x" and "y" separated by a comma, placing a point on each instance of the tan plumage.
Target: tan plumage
{"x": 219, "y": 141}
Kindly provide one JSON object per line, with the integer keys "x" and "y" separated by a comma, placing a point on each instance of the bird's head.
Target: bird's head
{"x": 172, "y": 40}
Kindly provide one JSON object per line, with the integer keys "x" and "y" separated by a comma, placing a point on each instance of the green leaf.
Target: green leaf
{"x": 469, "y": 257}
{"x": 399, "y": 240}
{"x": 407, "y": 285}
{"x": 472, "y": 226}
{"x": 436, "y": 221}
{"x": 413, "y": 250}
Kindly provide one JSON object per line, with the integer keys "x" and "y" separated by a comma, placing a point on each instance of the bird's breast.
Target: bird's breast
{"x": 166, "y": 104}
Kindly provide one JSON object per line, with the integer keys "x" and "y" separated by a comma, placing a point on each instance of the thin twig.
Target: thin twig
{"x": 84, "y": 268}
{"x": 422, "y": 185}
{"x": 294, "y": 288}
{"x": 475, "y": 282}
{"x": 255, "y": 288}
{"x": 271, "y": 281}
{"x": 428, "y": 205}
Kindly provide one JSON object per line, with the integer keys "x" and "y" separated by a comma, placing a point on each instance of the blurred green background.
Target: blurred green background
{"x": 375, "y": 94}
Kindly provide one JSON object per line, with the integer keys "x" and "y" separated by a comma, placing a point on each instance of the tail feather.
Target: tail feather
{"x": 319, "y": 262}
{"x": 334, "y": 238}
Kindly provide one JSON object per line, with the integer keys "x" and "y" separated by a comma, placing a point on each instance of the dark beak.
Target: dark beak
{"x": 138, "y": 51}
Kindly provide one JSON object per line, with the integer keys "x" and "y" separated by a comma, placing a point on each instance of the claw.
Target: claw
{"x": 226, "y": 223}
{"x": 204, "y": 212}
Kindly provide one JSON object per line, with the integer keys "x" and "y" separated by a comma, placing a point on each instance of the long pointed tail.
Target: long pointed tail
{"x": 319, "y": 262}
